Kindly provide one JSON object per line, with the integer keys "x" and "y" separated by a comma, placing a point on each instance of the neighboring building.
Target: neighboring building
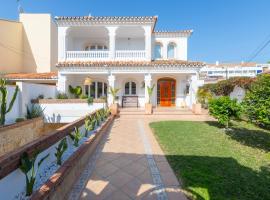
{"x": 219, "y": 71}
{"x": 28, "y": 45}
{"x": 126, "y": 53}
{"x": 101, "y": 52}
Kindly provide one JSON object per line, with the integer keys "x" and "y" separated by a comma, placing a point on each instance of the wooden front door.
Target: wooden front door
{"x": 166, "y": 92}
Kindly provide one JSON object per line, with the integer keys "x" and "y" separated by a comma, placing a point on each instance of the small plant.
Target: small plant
{"x": 97, "y": 118}
{"x": 89, "y": 125}
{"x": 150, "y": 91}
{"x": 61, "y": 96}
{"x": 90, "y": 100}
{"x": 82, "y": 96}
{"x": 75, "y": 137}
{"x": 60, "y": 149}
{"x": 33, "y": 111}
{"x": 20, "y": 119}
{"x": 223, "y": 109}
{"x": 27, "y": 166}
{"x": 4, "y": 94}
{"x": 76, "y": 91}
{"x": 113, "y": 92}
{"x": 41, "y": 96}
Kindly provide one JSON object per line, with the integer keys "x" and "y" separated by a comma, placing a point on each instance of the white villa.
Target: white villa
{"x": 129, "y": 54}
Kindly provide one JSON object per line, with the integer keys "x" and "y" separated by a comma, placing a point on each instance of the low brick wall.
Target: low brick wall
{"x": 61, "y": 183}
{"x": 18, "y": 134}
{"x": 62, "y": 101}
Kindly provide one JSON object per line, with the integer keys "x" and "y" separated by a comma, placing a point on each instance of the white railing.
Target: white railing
{"x": 130, "y": 55}
{"x": 87, "y": 55}
{"x": 104, "y": 55}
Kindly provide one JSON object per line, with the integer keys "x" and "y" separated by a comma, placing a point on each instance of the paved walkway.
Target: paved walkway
{"x": 129, "y": 164}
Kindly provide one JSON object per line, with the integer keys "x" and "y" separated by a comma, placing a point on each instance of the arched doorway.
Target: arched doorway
{"x": 166, "y": 90}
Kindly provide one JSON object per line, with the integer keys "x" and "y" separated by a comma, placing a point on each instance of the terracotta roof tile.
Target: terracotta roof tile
{"x": 108, "y": 18}
{"x": 164, "y": 32}
{"x": 129, "y": 63}
{"x": 49, "y": 75}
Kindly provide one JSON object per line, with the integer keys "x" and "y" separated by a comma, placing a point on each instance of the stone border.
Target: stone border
{"x": 62, "y": 101}
{"x": 18, "y": 124}
{"x": 61, "y": 182}
{"x": 11, "y": 161}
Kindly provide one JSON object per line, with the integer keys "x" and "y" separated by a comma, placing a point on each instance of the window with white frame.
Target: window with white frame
{"x": 95, "y": 47}
{"x": 130, "y": 88}
{"x": 96, "y": 90}
{"x": 171, "y": 50}
{"x": 158, "y": 51}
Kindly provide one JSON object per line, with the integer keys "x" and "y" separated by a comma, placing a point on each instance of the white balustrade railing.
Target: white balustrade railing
{"x": 130, "y": 55}
{"x": 104, "y": 55}
{"x": 87, "y": 55}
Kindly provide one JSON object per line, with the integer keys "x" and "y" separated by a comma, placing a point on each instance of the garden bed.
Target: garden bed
{"x": 72, "y": 158}
{"x": 63, "y": 101}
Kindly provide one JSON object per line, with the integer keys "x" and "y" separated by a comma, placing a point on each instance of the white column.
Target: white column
{"x": 112, "y": 34}
{"x": 148, "y": 42}
{"x": 61, "y": 83}
{"x": 193, "y": 88}
{"x": 165, "y": 51}
{"x": 111, "y": 80}
{"x": 147, "y": 81}
{"x": 62, "y": 35}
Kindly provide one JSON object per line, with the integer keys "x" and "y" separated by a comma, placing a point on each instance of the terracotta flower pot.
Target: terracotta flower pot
{"x": 197, "y": 108}
{"x": 114, "y": 109}
{"x": 148, "y": 108}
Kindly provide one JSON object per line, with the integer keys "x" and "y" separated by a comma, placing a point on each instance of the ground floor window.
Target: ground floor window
{"x": 130, "y": 88}
{"x": 96, "y": 90}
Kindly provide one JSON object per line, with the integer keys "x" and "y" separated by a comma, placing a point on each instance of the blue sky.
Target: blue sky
{"x": 224, "y": 30}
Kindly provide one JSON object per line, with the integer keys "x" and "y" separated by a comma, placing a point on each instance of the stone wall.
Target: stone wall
{"x": 18, "y": 134}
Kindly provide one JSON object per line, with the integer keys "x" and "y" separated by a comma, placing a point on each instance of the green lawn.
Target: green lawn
{"x": 215, "y": 164}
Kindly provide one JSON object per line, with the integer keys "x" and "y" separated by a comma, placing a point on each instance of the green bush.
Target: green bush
{"x": 90, "y": 100}
{"x": 76, "y": 91}
{"x": 257, "y": 101}
{"x": 61, "y": 96}
{"x": 223, "y": 109}
{"x": 20, "y": 119}
{"x": 33, "y": 111}
{"x": 82, "y": 96}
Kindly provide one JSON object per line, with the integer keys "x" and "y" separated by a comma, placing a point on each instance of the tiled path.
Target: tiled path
{"x": 129, "y": 164}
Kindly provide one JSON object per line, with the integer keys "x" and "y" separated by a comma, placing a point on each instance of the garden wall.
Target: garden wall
{"x": 14, "y": 113}
{"x": 66, "y": 110}
{"x": 18, "y": 134}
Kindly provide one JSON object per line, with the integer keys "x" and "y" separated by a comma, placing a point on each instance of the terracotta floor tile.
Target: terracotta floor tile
{"x": 119, "y": 178}
{"x": 106, "y": 170}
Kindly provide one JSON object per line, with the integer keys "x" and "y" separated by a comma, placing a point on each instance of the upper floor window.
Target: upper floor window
{"x": 158, "y": 53}
{"x": 130, "y": 88}
{"x": 171, "y": 51}
{"x": 95, "y": 47}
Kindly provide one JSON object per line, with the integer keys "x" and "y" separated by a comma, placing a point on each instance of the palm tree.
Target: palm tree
{"x": 113, "y": 92}
{"x": 150, "y": 91}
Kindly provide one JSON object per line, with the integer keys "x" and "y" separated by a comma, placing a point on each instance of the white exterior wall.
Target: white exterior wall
{"x": 14, "y": 113}
{"x": 181, "y": 46}
{"x": 132, "y": 44}
{"x": 68, "y": 112}
{"x": 29, "y": 91}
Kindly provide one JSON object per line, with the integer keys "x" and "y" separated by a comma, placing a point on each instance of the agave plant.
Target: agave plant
{"x": 75, "y": 137}
{"x": 89, "y": 125}
{"x": 60, "y": 149}
{"x": 34, "y": 111}
{"x": 150, "y": 91}
{"x": 4, "y": 108}
{"x": 28, "y": 165}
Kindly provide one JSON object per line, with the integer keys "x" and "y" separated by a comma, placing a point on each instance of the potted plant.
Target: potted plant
{"x": 114, "y": 106}
{"x": 149, "y": 106}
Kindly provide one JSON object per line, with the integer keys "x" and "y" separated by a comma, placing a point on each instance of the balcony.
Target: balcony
{"x": 103, "y": 55}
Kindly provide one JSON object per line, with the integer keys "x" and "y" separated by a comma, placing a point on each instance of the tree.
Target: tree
{"x": 3, "y": 100}
{"x": 257, "y": 101}
{"x": 223, "y": 109}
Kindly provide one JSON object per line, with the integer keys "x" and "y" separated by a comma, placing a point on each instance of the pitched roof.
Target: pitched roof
{"x": 38, "y": 76}
{"x": 130, "y": 63}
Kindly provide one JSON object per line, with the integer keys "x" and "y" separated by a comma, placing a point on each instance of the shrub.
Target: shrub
{"x": 204, "y": 95}
{"x": 90, "y": 100}
{"x": 76, "y": 91}
{"x": 20, "y": 119}
{"x": 33, "y": 111}
{"x": 223, "y": 109}
{"x": 82, "y": 96}
{"x": 61, "y": 96}
{"x": 257, "y": 101}
{"x": 41, "y": 96}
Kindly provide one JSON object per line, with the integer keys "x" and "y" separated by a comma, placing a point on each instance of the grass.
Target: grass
{"x": 216, "y": 164}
